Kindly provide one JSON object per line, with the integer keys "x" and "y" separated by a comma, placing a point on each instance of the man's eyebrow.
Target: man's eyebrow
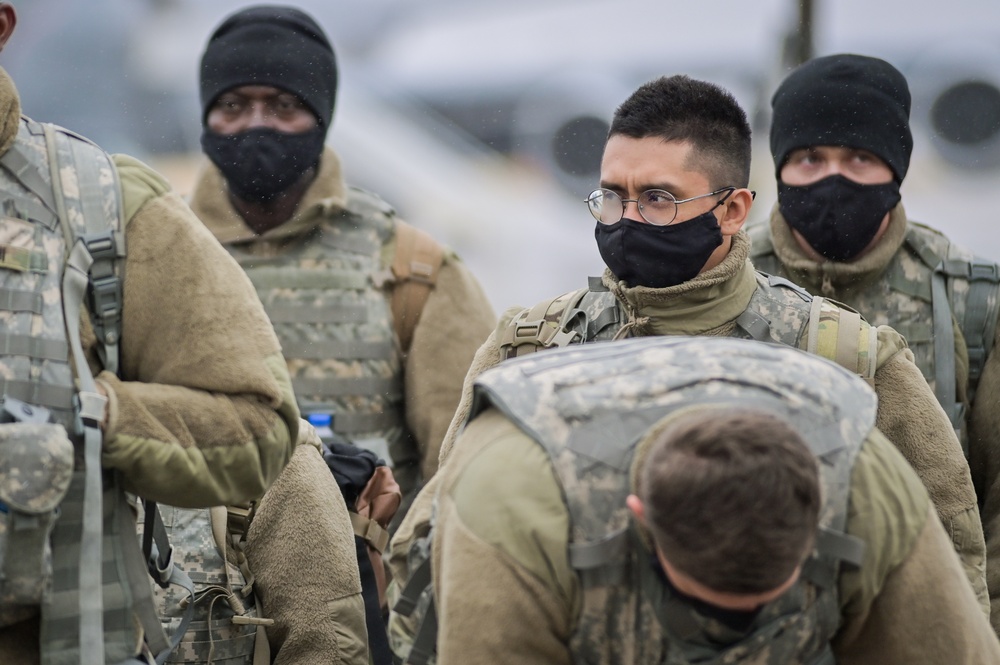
{"x": 615, "y": 187}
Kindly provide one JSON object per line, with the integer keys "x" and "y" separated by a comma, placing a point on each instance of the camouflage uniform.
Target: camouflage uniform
{"x": 732, "y": 300}
{"x": 177, "y": 427}
{"x": 324, "y": 279}
{"x": 894, "y": 284}
{"x": 568, "y": 574}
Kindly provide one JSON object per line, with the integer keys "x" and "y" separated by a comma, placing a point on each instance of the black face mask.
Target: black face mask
{"x": 261, "y": 163}
{"x": 837, "y": 216}
{"x": 658, "y": 256}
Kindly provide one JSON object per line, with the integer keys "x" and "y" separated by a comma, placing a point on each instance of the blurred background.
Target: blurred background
{"x": 483, "y": 122}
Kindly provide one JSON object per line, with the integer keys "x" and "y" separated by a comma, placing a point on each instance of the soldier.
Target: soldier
{"x": 120, "y": 372}
{"x": 669, "y": 217}
{"x": 378, "y": 322}
{"x": 691, "y": 500}
{"x": 841, "y": 142}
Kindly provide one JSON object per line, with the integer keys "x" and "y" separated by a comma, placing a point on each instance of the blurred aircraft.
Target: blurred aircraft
{"x": 437, "y": 94}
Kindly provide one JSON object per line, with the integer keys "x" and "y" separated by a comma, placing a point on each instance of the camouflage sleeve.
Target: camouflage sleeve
{"x": 911, "y": 418}
{"x": 456, "y": 319}
{"x": 506, "y": 557}
{"x": 203, "y": 413}
{"x": 984, "y": 459}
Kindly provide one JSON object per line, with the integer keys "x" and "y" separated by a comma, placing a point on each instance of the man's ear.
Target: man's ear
{"x": 736, "y": 209}
{"x": 634, "y": 504}
{"x": 8, "y": 20}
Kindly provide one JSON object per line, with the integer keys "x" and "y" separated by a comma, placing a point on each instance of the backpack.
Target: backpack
{"x": 62, "y": 195}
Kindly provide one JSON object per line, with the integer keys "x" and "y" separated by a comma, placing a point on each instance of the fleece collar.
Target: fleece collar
{"x": 10, "y": 111}
{"x": 708, "y": 303}
{"x": 834, "y": 279}
{"x": 210, "y": 201}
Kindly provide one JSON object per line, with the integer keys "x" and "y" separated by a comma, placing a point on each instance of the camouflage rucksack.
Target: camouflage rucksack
{"x": 67, "y": 544}
{"x": 779, "y": 312}
{"x": 568, "y": 402}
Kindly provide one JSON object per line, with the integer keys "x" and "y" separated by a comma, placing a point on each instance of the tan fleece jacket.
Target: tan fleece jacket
{"x": 907, "y": 605}
{"x": 300, "y": 547}
{"x": 909, "y": 415}
{"x": 848, "y": 282}
{"x": 455, "y": 320}
{"x": 199, "y": 416}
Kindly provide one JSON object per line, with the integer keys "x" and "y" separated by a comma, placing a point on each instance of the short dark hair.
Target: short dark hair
{"x": 731, "y": 499}
{"x": 679, "y": 108}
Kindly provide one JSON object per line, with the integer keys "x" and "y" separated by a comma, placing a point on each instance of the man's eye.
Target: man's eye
{"x": 658, "y": 197}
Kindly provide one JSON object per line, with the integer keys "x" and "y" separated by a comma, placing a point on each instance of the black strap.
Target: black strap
{"x": 378, "y": 638}
{"x": 425, "y": 643}
{"x": 159, "y": 560}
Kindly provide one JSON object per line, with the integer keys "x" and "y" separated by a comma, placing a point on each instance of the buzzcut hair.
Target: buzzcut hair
{"x": 680, "y": 108}
{"x": 732, "y": 499}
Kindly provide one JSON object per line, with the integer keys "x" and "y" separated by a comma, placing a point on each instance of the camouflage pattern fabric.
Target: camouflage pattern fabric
{"x": 35, "y": 368}
{"x": 902, "y": 296}
{"x": 778, "y": 312}
{"x": 590, "y": 407}
{"x": 212, "y": 637}
{"x": 36, "y": 466}
{"x": 329, "y": 306}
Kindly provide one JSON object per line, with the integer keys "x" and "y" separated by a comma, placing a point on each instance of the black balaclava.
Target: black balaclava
{"x": 844, "y": 100}
{"x": 275, "y": 46}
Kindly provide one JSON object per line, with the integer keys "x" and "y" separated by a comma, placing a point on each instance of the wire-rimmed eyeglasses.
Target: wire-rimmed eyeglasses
{"x": 657, "y": 206}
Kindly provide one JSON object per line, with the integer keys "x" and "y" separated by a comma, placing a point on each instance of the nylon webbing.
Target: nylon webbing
{"x": 944, "y": 350}
{"x": 585, "y": 556}
{"x": 321, "y": 350}
{"x": 91, "y": 624}
{"x": 814, "y": 312}
{"x": 848, "y": 337}
{"x": 22, "y": 259}
{"x": 336, "y": 387}
{"x": 43, "y": 394}
{"x": 12, "y": 300}
{"x": 299, "y": 278}
{"x": 333, "y": 313}
{"x": 840, "y": 546}
{"x": 754, "y": 325}
{"x": 409, "y": 596}
{"x": 425, "y": 642}
{"x": 33, "y": 347}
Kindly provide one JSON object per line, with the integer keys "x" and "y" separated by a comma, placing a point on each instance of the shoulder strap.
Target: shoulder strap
{"x": 840, "y": 334}
{"x": 979, "y": 280}
{"x": 541, "y": 326}
{"x": 415, "y": 266}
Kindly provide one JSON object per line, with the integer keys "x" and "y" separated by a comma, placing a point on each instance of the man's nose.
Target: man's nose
{"x": 632, "y": 211}
{"x": 259, "y": 116}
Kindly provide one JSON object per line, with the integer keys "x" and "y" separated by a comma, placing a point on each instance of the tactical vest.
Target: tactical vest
{"x": 778, "y": 312}
{"x": 928, "y": 287}
{"x": 590, "y": 408}
{"x": 67, "y": 533}
{"x": 326, "y": 295}
{"x": 227, "y": 628}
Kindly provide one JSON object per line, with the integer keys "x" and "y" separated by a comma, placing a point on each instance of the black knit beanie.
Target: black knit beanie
{"x": 271, "y": 45}
{"x": 844, "y": 100}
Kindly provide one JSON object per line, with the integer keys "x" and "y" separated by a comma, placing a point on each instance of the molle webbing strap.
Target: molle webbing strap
{"x": 944, "y": 353}
{"x": 842, "y": 335}
{"x": 23, "y": 260}
{"x": 342, "y": 350}
{"x": 12, "y": 300}
{"x": 33, "y": 347}
{"x": 415, "y": 266}
{"x": 291, "y": 277}
{"x": 28, "y": 174}
{"x": 981, "y": 312}
{"x": 43, "y": 394}
{"x": 339, "y": 387}
{"x": 287, "y": 313}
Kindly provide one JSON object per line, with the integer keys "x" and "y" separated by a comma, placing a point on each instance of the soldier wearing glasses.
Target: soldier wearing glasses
{"x": 669, "y": 213}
